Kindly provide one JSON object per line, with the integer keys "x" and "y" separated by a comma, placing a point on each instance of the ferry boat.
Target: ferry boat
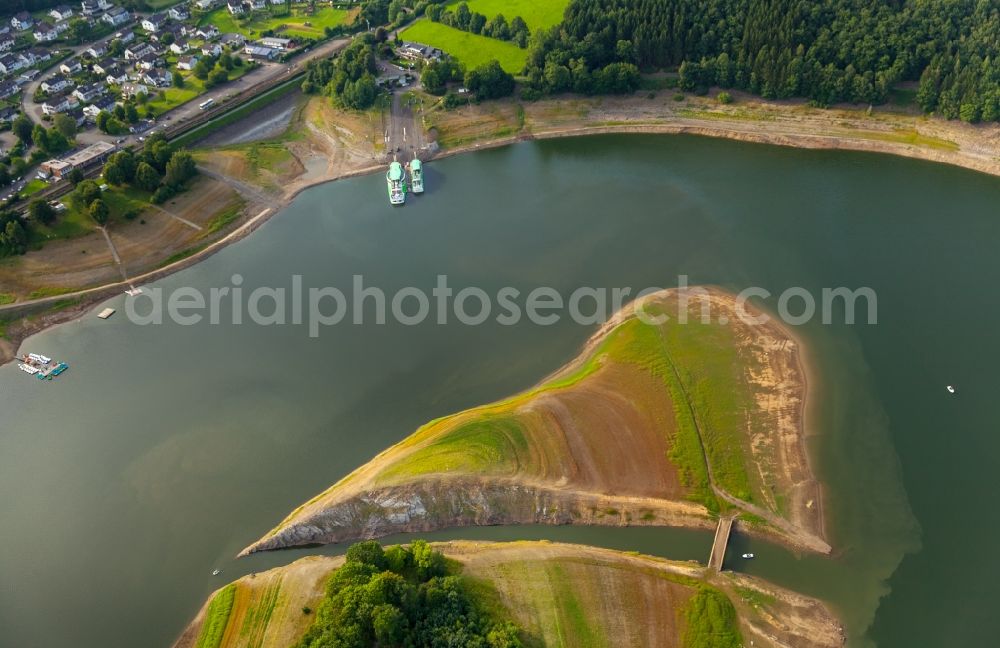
{"x": 396, "y": 182}
{"x": 61, "y": 367}
{"x": 416, "y": 175}
{"x": 40, "y": 358}
{"x": 28, "y": 369}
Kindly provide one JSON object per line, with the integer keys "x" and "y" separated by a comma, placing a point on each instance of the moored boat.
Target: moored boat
{"x": 37, "y": 357}
{"x": 416, "y": 175}
{"x": 396, "y": 182}
{"x": 28, "y": 369}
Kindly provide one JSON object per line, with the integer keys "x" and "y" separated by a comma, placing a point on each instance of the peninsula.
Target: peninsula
{"x": 672, "y": 423}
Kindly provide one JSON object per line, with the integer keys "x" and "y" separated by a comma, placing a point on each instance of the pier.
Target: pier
{"x": 722, "y": 531}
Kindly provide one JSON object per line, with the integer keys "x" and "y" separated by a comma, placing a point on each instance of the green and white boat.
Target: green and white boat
{"x": 416, "y": 175}
{"x": 396, "y": 182}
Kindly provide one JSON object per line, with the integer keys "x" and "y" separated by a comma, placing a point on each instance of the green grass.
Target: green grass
{"x": 710, "y": 620}
{"x": 217, "y": 617}
{"x": 277, "y": 19}
{"x": 223, "y": 219}
{"x": 257, "y": 618}
{"x": 34, "y": 187}
{"x": 470, "y": 49}
{"x": 574, "y": 621}
{"x": 7, "y": 298}
{"x": 536, "y": 14}
{"x": 754, "y": 598}
{"x": 41, "y": 293}
{"x": 156, "y": 5}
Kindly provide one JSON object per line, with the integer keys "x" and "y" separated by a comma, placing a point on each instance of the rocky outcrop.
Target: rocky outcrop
{"x": 438, "y": 504}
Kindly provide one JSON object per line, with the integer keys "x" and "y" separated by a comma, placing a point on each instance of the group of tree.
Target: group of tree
{"x": 214, "y": 70}
{"x": 49, "y": 141}
{"x": 159, "y": 169}
{"x": 474, "y": 22}
{"x": 403, "y": 596}
{"x": 349, "y": 78}
{"x": 116, "y": 121}
{"x": 437, "y": 74}
{"x": 826, "y": 50}
{"x": 13, "y": 235}
{"x": 489, "y": 81}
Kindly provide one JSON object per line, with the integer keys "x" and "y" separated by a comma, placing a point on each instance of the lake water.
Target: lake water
{"x": 166, "y": 449}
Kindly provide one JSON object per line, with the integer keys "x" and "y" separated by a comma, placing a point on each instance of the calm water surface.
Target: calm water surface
{"x": 166, "y": 449}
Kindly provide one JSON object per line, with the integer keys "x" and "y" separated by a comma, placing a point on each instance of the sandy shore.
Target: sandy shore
{"x": 335, "y": 155}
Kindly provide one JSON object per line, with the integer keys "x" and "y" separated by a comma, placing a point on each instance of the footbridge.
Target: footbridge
{"x": 720, "y": 543}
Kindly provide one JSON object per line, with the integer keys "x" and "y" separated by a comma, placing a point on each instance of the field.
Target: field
{"x": 536, "y": 14}
{"x": 289, "y": 25}
{"x": 471, "y": 49}
{"x": 669, "y": 423}
{"x": 559, "y": 595}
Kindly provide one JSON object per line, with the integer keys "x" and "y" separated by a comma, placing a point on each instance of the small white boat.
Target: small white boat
{"x": 748, "y": 556}
{"x": 40, "y": 358}
{"x": 216, "y": 572}
{"x": 28, "y": 369}
{"x": 951, "y": 389}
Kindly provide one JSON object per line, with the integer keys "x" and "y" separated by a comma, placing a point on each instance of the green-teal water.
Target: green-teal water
{"x": 166, "y": 449}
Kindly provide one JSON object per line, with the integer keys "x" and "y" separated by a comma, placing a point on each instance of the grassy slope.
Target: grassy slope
{"x": 294, "y": 24}
{"x": 471, "y": 49}
{"x": 561, "y": 595}
{"x": 536, "y": 14}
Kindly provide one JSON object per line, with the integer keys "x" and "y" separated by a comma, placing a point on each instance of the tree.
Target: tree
{"x": 203, "y": 67}
{"x": 178, "y": 79}
{"x": 86, "y": 192}
{"x": 41, "y": 211}
{"x": 23, "y": 127}
{"x": 14, "y": 239}
{"x": 99, "y": 211}
{"x": 76, "y": 176}
{"x": 131, "y": 113}
{"x": 146, "y": 177}
{"x": 102, "y": 120}
{"x": 490, "y": 81}
{"x": 66, "y": 125}
{"x": 218, "y": 76}
{"x": 180, "y": 169}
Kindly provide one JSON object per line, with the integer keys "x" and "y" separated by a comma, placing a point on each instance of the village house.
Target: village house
{"x": 232, "y": 40}
{"x": 88, "y": 93}
{"x": 101, "y": 104}
{"x": 179, "y": 12}
{"x": 419, "y": 52}
{"x": 154, "y": 23}
{"x": 117, "y": 16}
{"x": 257, "y": 5}
{"x": 8, "y": 89}
{"x": 211, "y": 49}
{"x": 9, "y": 63}
{"x": 261, "y": 52}
{"x": 7, "y": 115}
{"x": 62, "y": 103}
{"x": 101, "y": 67}
{"x": 208, "y": 32}
{"x": 179, "y": 47}
{"x": 71, "y": 66}
{"x": 174, "y": 30}
{"x": 37, "y": 55}
{"x": 187, "y": 62}
{"x": 157, "y": 78}
{"x": 92, "y": 7}
{"x": 138, "y": 50}
{"x": 235, "y": 7}
{"x": 45, "y": 33}
{"x": 22, "y": 21}
{"x": 148, "y": 62}
{"x": 125, "y": 37}
{"x": 116, "y": 75}
{"x": 56, "y": 83}
{"x": 27, "y": 77}
{"x": 204, "y": 5}
{"x": 62, "y": 12}
{"x": 130, "y": 90}
{"x": 6, "y": 43}
{"x": 97, "y": 50}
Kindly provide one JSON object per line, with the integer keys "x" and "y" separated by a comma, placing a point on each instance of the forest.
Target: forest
{"x": 828, "y": 51}
{"x": 403, "y": 596}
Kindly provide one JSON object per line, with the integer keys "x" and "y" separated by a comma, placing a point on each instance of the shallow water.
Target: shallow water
{"x": 166, "y": 449}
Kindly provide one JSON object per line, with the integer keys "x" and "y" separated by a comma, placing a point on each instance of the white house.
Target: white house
{"x": 204, "y": 5}
{"x": 10, "y": 63}
{"x": 208, "y": 32}
{"x": 6, "y": 43}
{"x": 97, "y": 50}
{"x": 138, "y": 50}
{"x": 61, "y": 104}
{"x": 235, "y": 7}
{"x": 148, "y": 62}
{"x": 117, "y": 16}
{"x": 88, "y": 93}
{"x": 232, "y": 40}
{"x": 187, "y": 62}
{"x": 277, "y": 43}
{"x": 116, "y": 76}
{"x": 133, "y": 89}
{"x": 179, "y": 47}
{"x": 257, "y": 5}
{"x": 55, "y": 84}
{"x": 61, "y": 27}
{"x": 45, "y": 33}
{"x": 158, "y": 78}
{"x": 154, "y": 23}
{"x": 72, "y": 66}
{"x": 62, "y": 12}
{"x": 91, "y": 7}
{"x": 211, "y": 49}
{"x": 22, "y": 21}
{"x": 8, "y": 89}
{"x": 179, "y": 12}
{"x": 125, "y": 36}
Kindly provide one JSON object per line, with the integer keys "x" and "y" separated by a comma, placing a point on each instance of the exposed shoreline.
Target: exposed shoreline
{"x": 984, "y": 159}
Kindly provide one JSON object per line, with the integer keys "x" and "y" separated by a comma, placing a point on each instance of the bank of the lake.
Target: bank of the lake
{"x": 166, "y": 449}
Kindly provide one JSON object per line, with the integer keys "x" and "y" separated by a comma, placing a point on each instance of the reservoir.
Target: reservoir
{"x": 166, "y": 448}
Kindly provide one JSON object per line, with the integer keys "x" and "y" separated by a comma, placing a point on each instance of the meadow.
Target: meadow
{"x": 471, "y": 49}
{"x": 290, "y": 25}
{"x": 538, "y": 15}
